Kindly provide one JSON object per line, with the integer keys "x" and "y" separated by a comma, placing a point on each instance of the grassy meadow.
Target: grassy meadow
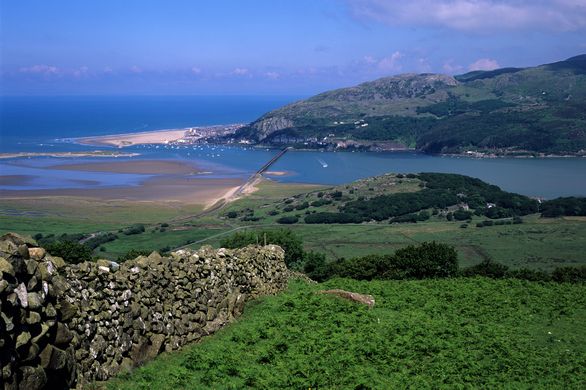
{"x": 452, "y": 333}
{"x": 537, "y": 243}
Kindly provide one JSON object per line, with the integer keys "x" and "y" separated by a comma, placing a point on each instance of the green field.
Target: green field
{"x": 538, "y": 243}
{"x": 444, "y": 333}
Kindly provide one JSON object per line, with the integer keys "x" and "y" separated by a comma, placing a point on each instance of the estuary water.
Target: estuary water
{"x": 44, "y": 124}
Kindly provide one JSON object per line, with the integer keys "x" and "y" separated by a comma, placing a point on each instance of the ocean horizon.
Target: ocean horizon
{"x": 38, "y": 123}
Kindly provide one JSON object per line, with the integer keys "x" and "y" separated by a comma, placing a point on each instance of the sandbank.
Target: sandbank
{"x": 130, "y": 139}
{"x": 153, "y": 167}
{"x": 277, "y": 173}
{"x": 159, "y": 189}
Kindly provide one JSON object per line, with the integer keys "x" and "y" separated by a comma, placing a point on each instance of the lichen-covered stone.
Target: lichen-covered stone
{"x": 32, "y": 378}
{"x": 6, "y": 267}
{"x": 36, "y": 253}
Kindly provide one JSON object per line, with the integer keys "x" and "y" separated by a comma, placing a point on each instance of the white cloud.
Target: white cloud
{"x": 369, "y": 60}
{"x": 241, "y": 72}
{"x": 135, "y": 69}
{"x": 476, "y": 15}
{"x": 452, "y": 68}
{"x": 273, "y": 75}
{"x": 484, "y": 64}
{"x": 390, "y": 63}
{"x": 196, "y": 70}
{"x": 40, "y": 69}
{"x": 80, "y": 72}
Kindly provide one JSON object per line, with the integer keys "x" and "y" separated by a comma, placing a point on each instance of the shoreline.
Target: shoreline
{"x": 130, "y": 139}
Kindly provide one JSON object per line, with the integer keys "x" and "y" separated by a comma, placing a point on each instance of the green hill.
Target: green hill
{"x": 510, "y": 110}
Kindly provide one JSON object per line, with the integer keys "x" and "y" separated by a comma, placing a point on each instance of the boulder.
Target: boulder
{"x": 6, "y": 267}
{"x": 352, "y": 296}
{"x": 36, "y": 253}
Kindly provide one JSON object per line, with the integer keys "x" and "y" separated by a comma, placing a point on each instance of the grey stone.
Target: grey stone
{"x": 36, "y": 253}
{"x": 22, "y": 295}
{"x": 34, "y": 301}
{"x": 6, "y": 267}
{"x": 32, "y": 378}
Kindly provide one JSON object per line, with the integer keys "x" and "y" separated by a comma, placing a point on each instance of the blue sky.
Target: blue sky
{"x": 270, "y": 47}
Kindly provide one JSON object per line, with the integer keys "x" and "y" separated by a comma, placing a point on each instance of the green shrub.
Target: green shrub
{"x": 462, "y": 215}
{"x": 529, "y": 274}
{"x": 427, "y": 260}
{"x": 302, "y": 206}
{"x": 286, "y": 239}
{"x": 250, "y": 218}
{"x": 133, "y": 254}
{"x": 569, "y": 274}
{"x": 231, "y": 214}
{"x": 315, "y": 266}
{"x": 71, "y": 252}
{"x": 486, "y": 268}
{"x": 134, "y": 229}
{"x": 291, "y": 219}
{"x": 360, "y": 268}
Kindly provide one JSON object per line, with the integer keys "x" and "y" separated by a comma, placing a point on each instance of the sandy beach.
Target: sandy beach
{"x": 130, "y": 139}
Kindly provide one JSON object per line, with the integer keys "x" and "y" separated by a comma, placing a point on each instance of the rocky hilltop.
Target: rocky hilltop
{"x": 65, "y": 325}
{"x": 518, "y": 110}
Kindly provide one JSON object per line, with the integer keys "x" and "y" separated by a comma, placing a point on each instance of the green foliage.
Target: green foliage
{"x": 412, "y": 217}
{"x": 454, "y": 106}
{"x": 286, "y": 239}
{"x": 288, "y": 220}
{"x": 487, "y": 268}
{"x": 428, "y": 260}
{"x": 137, "y": 228}
{"x": 320, "y": 202}
{"x": 72, "y": 252}
{"x": 231, "y": 214}
{"x": 462, "y": 215}
{"x": 569, "y": 274}
{"x": 100, "y": 239}
{"x": 571, "y": 206}
{"x": 315, "y": 266}
{"x": 302, "y": 206}
{"x": 393, "y": 205}
{"x": 440, "y": 333}
{"x": 133, "y": 254}
{"x": 328, "y": 218}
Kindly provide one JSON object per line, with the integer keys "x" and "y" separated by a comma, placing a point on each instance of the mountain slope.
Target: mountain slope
{"x": 537, "y": 109}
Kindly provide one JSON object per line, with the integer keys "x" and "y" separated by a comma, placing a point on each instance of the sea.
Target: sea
{"x": 50, "y": 124}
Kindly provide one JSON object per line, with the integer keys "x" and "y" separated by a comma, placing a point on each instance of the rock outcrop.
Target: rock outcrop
{"x": 65, "y": 325}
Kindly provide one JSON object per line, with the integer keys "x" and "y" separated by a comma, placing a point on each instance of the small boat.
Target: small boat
{"x": 323, "y": 163}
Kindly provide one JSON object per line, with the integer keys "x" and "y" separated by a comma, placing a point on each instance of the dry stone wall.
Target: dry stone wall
{"x": 62, "y": 326}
